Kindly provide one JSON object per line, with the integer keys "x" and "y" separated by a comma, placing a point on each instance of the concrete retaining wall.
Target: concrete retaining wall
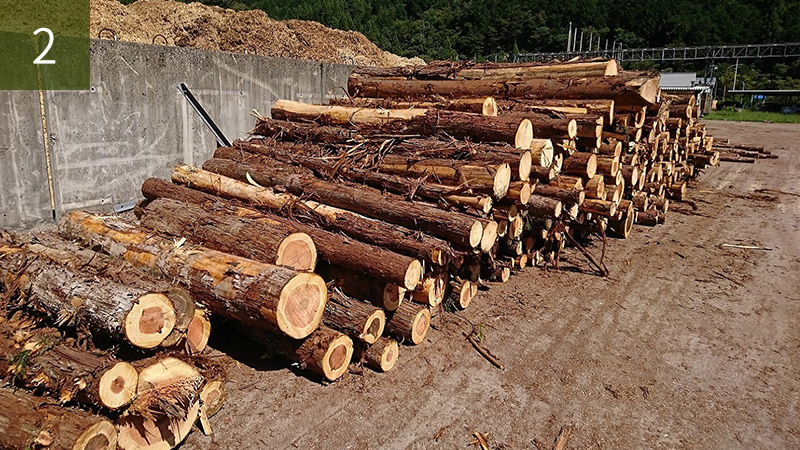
{"x": 134, "y": 123}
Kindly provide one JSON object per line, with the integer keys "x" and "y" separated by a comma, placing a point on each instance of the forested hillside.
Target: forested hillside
{"x": 446, "y": 29}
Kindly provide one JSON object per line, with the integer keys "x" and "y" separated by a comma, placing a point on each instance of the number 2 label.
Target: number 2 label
{"x": 39, "y": 60}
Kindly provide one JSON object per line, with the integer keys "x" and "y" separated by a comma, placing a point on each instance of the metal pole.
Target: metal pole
{"x": 575, "y": 39}
{"x": 580, "y": 47}
{"x": 591, "y": 40}
{"x": 598, "y": 42}
{"x": 569, "y": 36}
{"x": 735, "y": 74}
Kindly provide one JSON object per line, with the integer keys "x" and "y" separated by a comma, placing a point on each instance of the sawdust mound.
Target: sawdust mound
{"x": 215, "y": 28}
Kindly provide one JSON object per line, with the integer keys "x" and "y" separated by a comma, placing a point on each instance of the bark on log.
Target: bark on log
{"x": 602, "y": 107}
{"x": 304, "y": 132}
{"x": 484, "y": 105}
{"x": 471, "y": 70}
{"x": 580, "y": 164}
{"x": 357, "y": 319}
{"x": 385, "y": 295}
{"x": 27, "y": 422}
{"x": 634, "y": 89}
{"x": 273, "y": 243}
{"x": 122, "y": 313}
{"x": 596, "y": 188}
{"x": 41, "y": 359}
{"x": 571, "y": 196}
{"x": 381, "y": 355}
{"x": 463, "y": 292}
{"x": 540, "y": 206}
{"x": 375, "y": 232}
{"x": 341, "y": 115}
{"x": 258, "y": 295}
{"x": 599, "y": 207}
{"x": 409, "y": 323}
{"x": 458, "y": 228}
{"x": 325, "y": 352}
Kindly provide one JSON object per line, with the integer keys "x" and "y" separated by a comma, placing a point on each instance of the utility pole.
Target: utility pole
{"x": 569, "y": 36}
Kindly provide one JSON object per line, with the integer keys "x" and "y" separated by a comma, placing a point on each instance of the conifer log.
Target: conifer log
{"x": 491, "y": 178}
{"x": 621, "y": 227}
{"x": 123, "y": 313}
{"x": 595, "y": 187}
{"x": 409, "y": 323}
{"x": 381, "y": 355}
{"x": 257, "y": 294}
{"x": 570, "y": 196}
{"x": 575, "y": 106}
{"x": 541, "y": 206}
{"x": 543, "y": 174}
{"x": 375, "y": 232}
{"x": 485, "y": 105}
{"x": 630, "y": 89}
{"x": 269, "y": 242}
{"x": 463, "y": 292}
{"x": 41, "y": 359}
{"x": 357, "y": 319}
{"x": 27, "y": 422}
{"x": 354, "y": 284}
{"x": 458, "y": 228}
{"x": 341, "y": 115}
{"x": 599, "y": 207}
{"x": 469, "y": 70}
{"x": 325, "y": 352}
{"x": 283, "y": 130}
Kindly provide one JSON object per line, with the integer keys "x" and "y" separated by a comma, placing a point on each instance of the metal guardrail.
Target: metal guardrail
{"x": 783, "y": 50}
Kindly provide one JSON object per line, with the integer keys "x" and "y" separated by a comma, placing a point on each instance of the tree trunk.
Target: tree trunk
{"x": 123, "y": 313}
{"x": 484, "y": 105}
{"x": 603, "y": 107}
{"x": 540, "y": 206}
{"x": 571, "y": 196}
{"x": 467, "y": 70}
{"x": 634, "y": 89}
{"x": 304, "y": 132}
{"x": 410, "y": 323}
{"x": 381, "y": 355}
{"x": 258, "y": 295}
{"x": 458, "y": 228}
{"x": 325, "y": 352}
{"x": 269, "y": 242}
{"x": 27, "y": 422}
{"x": 599, "y": 207}
{"x": 385, "y": 295}
{"x": 581, "y": 164}
{"x": 39, "y": 359}
{"x": 357, "y": 319}
{"x": 375, "y": 232}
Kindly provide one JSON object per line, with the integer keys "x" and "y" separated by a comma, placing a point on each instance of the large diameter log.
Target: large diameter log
{"x": 39, "y": 359}
{"x": 123, "y": 313}
{"x": 270, "y": 242}
{"x": 458, "y": 228}
{"x": 257, "y": 294}
{"x": 340, "y": 115}
{"x": 399, "y": 239}
{"x": 357, "y": 319}
{"x": 581, "y": 164}
{"x": 513, "y": 130}
{"x": 76, "y": 258}
{"x": 410, "y": 323}
{"x": 636, "y": 89}
{"x": 27, "y": 422}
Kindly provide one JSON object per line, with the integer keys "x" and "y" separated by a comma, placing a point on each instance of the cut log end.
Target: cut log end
{"x": 198, "y": 333}
{"x": 213, "y": 396}
{"x": 525, "y": 165}
{"x": 337, "y": 357}
{"x": 373, "y": 327}
{"x": 413, "y": 274}
{"x": 421, "y": 325}
{"x": 298, "y": 252}
{"x": 524, "y": 135}
{"x": 502, "y": 180}
{"x": 100, "y": 436}
{"x": 158, "y": 433}
{"x": 572, "y": 129}
{"x": 150, "y": 321}
{"x": 118, "y": 385}
{"x": 475, "y": 234}
{"x": 301, "y": 304}
{"x": 382, "y": 356}
{"x": 489, "y": 107}
{"x": 489, "y": 236}
{"x": 393, "y": 296}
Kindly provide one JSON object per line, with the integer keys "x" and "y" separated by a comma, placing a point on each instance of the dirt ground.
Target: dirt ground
{"x": 687, "y": 344}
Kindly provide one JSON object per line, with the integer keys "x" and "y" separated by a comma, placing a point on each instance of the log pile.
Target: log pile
{"x": 333, "y": 234}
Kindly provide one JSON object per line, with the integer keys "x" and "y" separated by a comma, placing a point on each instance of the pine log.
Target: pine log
{"x": 354, "y": 284}
{"x": 568, "y": 182}
{"x": 608, "y": 166}
{"x": 430, "y": 291}
{"x": 381, "y": 355}
{"x": 601, "y": 208}
{"x": 375, "y": 232}
{"x": 119, "y": 312}
{"x": 570, "y": 196}
{"x": 357, "y": 319}
{"x": 304, "y": 132}
{"x": 542, "y": 152}
{"x": 541, "y": 206}
{"x": 257, "y": 294}
{"x": 325, "y": 352}
{"x": 273, "y": 242}
{"x": 469, "y": 70}
{"x": 543, "y": 174}
{"x": 581, "y": 164}
{"x": 463, "y": 292}
{"x": 341, "y": 115}
{"x": 485, "y": 105}
{"x": 603, "y": 107}
{"x": 520, "y": 191}
{"x": 27, "y": 422}
{"x": 612, "y": 148}
{"x": 622, "y": 227}
{"x": 39, "y": 358}
{"x": 409, "y": 323}
{"x": 458, "y": 228}
{"x": 634, "y": 89}
{"x": 595, "y": 187}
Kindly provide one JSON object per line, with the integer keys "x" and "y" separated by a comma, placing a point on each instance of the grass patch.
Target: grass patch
{"x": 753, "y": 116}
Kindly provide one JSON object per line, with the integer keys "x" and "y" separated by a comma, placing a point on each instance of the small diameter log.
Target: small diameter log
{"x": 543, "y": 174}
{"x": 304, "y": 132}
{"x": 469, "y": 70}
{"x": 541, "y": 206}
{"x": 258, "y": 295}
{"x": 123, "y": 313}
{"x": 607, "y": 166}
{"x": 611, "y": 148}
{"x": 599, "y": 207}
{"x": 212, "y": 397}
{"x": 325, "y": 352}
{"x": 39, "y": 359}
{"x": 647, "y": 218}
{"x": 569, "y": 196}
{"x": 355, "y": 318}
{"x": 542, "y": 152}
{"x": 273, "y": 243}
{"x": 568, "y": 182}
{"x": 604, "y": 107}
{"x": 489, "y": 236}
{"x": 677, "y": 191}
{"x": 198, "y": 332}
{"x": 382, "y": 355}
{"x": 491, "y": 178}
{"x": 342, "y": 116}
{"x": 354, "y": 284}
{"x": 483, "y": 204}
{"x": 640, "y": 200}
{"x": 376, "y": 232}
{"x": 28, "y": 422}
{"x": 459, "y": 228}
{"x": 517, "y": 131}
{"x": 661, "y": 204}
{"x": 595, "y": 187}
{"x": 485, "y": 105}
{"x": 631, "y": 176}
{"x": 622, "y": 227}
{"x": 462, "y": 292}
{"x": 520, "y": 191}
{"x": 430, "y": 292}
{"x": 580, "y": 164}
{"x": 409, "y": 323}
{"x": 166, "y": 407}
